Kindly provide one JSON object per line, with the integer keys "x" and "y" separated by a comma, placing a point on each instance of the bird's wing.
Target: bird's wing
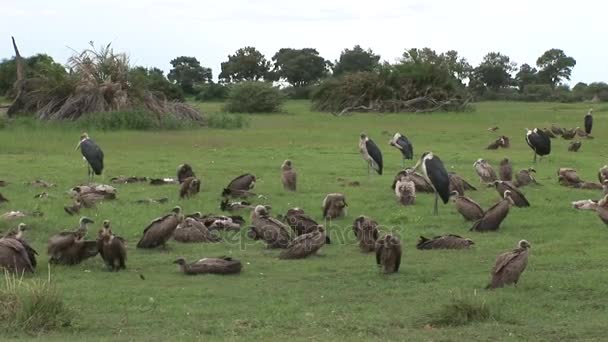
{"x": 242, "y": 182}
{"x": 503, "y": 260}
{"x": 438, "y": 177}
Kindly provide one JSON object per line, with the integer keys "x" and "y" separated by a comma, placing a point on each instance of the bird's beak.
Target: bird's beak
{"x": 78, "y": 146}
{"x": 417, "y": 165}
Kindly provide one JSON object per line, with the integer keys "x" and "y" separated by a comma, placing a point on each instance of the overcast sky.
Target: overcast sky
{"x": 153, "y": 32}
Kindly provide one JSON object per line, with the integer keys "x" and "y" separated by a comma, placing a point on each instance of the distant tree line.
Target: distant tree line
{"x": 419, "y": 73}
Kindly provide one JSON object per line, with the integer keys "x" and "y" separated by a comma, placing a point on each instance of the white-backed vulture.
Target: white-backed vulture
{"x": 449, "y": 241}
{"x": 334, "y": 206}
{"x": 19, "y": 235}
{"x": 305, "y": 244}
{"x": 191, "y": 230}
{"x": 161, "y": 229}
{"x": 587, "y": 204}
{"x": 222, "y": 265}
{"x": 366, "y": 232}
{"x": 568, "y": 176}
{"x": 70, "y": 248}
{"x": 268, "y": 229}
{"x": 556, "y": 129}
{"x": 569, "y": 134}
{"x": 288, "y": 176}
{"x": 494, "y": 216}
{"x": 184, "y": 171}
{"x": 505, "y": 170}
{"x": 581, "y": 133}
{"x": 113, "y": 248}
{"x": 241, "y": 186}
{"x": 458, "y": 184}
{"x": 519, "y": 200}
{"x": 509, "y": 266}
{"x": 221, "y": 222}
{"x": 421, "y": 183}
{"x": 190, "y": 187}
{"x": 484, "y": 171}
{"x": 388, "y": 253}
{"x": 469, "y": 209}
{"x": 525, "y": 177}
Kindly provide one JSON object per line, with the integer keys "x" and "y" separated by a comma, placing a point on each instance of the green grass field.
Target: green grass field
{"x": 341, "y": 294}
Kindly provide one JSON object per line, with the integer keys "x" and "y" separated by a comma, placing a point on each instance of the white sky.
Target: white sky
{"x": 155, "y": 31}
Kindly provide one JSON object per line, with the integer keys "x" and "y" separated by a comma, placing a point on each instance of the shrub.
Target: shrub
{"x": 462, "y": 310}
{"x": 134, "y": 120}
{"x": 298, "y": 93}
{"x": 211, "y": 91}
{"x": 227, "y": 121}
{"x": 32, "y": 306}
{"x": 254, "y": 97}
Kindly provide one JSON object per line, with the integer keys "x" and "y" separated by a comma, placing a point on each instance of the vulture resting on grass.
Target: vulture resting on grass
{"x": 505, "y": 171}
{"x": 112, "y": 248}
{"x": 484, "y": 171}
{"x": 184, "y": 171}
{"x": 272, "y": 231}
{"x": 14, "y": 256}
{"x": 420, "y": 182}
{"x": 160, "y": 230}
{"x": 525, "y": 177}
{"x": 301, "y": 223}
{"x": 221, "y": 265}
{"x": 305, "y": 244}
{"x": 519, "y": 200}
{"x": 469, "y": 209}
{"x": 241, "y": 186}
{"x": 288, "y": 176}
{"x": 509, "y": 266}
{"x": 334, "y": 206}
{"x": 449, "y": 241}
{"x": 190, "y": 187}
{"x": 191, "y": 230}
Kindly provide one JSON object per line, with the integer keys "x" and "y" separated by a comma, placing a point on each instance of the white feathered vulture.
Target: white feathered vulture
{"x": 435, "y": 172}
{"x": 539, "y": 142}
{"x": 371, "y": 153}
{"x": 92, "y": 153}
{"x": 401, "y": 142}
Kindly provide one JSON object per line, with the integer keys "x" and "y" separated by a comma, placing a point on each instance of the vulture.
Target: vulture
{"x": 549, "y": 133}
{"x": 301, "y": 223}
{"x": 190, "y": 187}
{"x": 14, "y": 256}
{"x": 89, "y": 195}
{"x": 41, "y": 183}
{"x": 71, "y": 248}
{"x": 556, "y": 129}
{"x": 420, "y": 182}
{"x": 92, "y": 153}
{"x": 494, "y": 216}
{"x": 3, "y": 199}
{"x": 191, "y": 230}
{"x": 435, "y": 172}
{"x": 226, "y": 205}
{"x": 589, "y": 121}
{"x": 371, "y": 153}
{"x": 128, "y": 180}
{"x": 509, "y": 266}
{"x": 366, "y": 232}
{"x": 458, "y": 184}
{"x": 506, "y": 143}
{"x": 388, "y": 253}
{"x": 240, "y": 186}
{"x": 402, "y": 143}
{"x": 525, "y": 177}
{"x": 493, "y": 129}
{"x": 484, "y": 171}
{"x": 221, "y": 265}
{"x": 161, "y": 229}
{"x": 272, "y": 231}
{"x": 569, "y": 134}
{"x": 568, "y": 177}
{"x": 221, "y": 222}
{"x": 334, "y": 206}
{"x": 574, "y": 146}
{"x": 112, "y": 248}
{"x": 184, "y": 171}
{"x": 539, "y": 142}
{"x": 519, "y": 200}
{"x": 502, "y": 141}
{"x": 288, "y": 176}
{"x": 305, "y": 244}
{"x": 74, "y": 208}
{"x": 449, "y": 241}
{"x": 602, "y": 209}
{"x": 602, "y": 174}
{"x": 18, "y": 234}
{"x": 581, "y": 133}
{"x": 152, "y": 201}
{"x": 587, "y": 204}
{"x": 163, "y": 181}
{"x": 469, "y": 209}
{"x": 505, "y": 170}
{"x": 405, "y": 190}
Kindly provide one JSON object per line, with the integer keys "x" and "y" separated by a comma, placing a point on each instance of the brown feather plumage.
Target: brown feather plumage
{"x": 388, "y": 253}
{"x": 509, "y": 266}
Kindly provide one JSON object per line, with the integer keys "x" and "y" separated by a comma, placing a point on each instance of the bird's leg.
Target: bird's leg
{"x": 534, "y": 161}
{"x": 368, "y": 168}
{"x": 435, "y": 211}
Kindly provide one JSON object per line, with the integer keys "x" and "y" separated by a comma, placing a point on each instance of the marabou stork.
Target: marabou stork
{"x": 589, "y": 121}
{"x": 435, "y": 172}
{"x": 539, "y": 142}
{"x": 371, "y": 153}
{"x": 92, "y": 153}
{"x": 401, "y": 142}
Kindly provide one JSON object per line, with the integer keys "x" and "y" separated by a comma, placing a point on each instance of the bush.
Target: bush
{"x": 134, "y": 120}
{"x": 227, "y": 121}
{"x": 298, "y": 93}
{"x": 32, "y": 306}
{"x": 254, "y": 97}
{"x": 211, "y": 91}
{"x": 462, "y": 310}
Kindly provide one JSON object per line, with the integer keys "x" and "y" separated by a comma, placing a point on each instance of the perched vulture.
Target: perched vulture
{"x": 509, "y": 266}
{"x": 589, "y": 121}
{"x": 519, "y": 200}
{"x": 525, "y": 177}
{"x": 506, "y": 143}
{"x": 272, "y": 231}
{"x": 569, "y": 134}
{"x": 602, "y": 174}
{"x": 221, "y": 265}
{"x": 161, "y": 229}
{"x": 420, "y": 182}
{"x": 334, "y": 206}
{"x": 456, "y": 183}
{"x": 371, "y": 153}
{"x": 602, "y": 209}
{"x": 191, "y": 230}
{"x": 574, "y": 146}
{"x": 225, "y": 205}
{"x": 581, "y": 133}
{"x": 305, "y": 244}
{"x": 449, "y": 241}
{"x": 240, "y": 186}
{"x": 301, "y": 223}
{"x": 128, "y": 180}
{"x": 484, "y": 171}
{"x": 184, "y": 171}
{"x": 190, "y": 187}
{"x": 112, "y": 248}
{"x": 14, "y": 256}
{"x": 587, "y": 204}
{"x": 402, "y": 143}
{"x": 469, "y": 209}
{"x": 505, "y": 171}
{"x": 70, "y": 248}
{"x": 366, "y": 232}
{"x": 494, "y": 216}
{"x": 405, "y": 190}
{"x": 3, "y": 199}
{"x": 557, "y": 130}
{"x": 388, "y": 253}
{"x": 288, "y": 176}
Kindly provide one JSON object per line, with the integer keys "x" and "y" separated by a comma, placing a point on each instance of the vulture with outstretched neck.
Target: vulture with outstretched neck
{"x": 70, "y": 248}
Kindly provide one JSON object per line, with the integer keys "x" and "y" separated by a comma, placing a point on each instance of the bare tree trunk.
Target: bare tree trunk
{"x": 19, "y": 84}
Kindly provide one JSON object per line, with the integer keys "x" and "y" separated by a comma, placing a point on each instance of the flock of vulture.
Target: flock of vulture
{"x": 297, "y": 233}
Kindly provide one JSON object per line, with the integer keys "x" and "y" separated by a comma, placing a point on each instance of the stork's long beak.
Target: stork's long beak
{"x": 78, "y": 146}
{"x": 417, "y": 165}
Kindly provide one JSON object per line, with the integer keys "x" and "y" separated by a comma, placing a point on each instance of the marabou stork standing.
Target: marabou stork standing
{"x": 589, "y": 121}
{"x": 401, "y": 142}
{"x": 435, "y": 172}
{"x": 371, "y": 153}
{"x": 539, "y": 142}
{"x": 92, "y": 153}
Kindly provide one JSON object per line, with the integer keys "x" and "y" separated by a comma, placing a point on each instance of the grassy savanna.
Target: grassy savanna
{"x": 340, "y": 294}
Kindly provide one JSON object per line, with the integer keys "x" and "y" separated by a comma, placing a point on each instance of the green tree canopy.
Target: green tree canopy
{"x": 525, "y": 76}
{"x": 299, "y": 67}
{"x": 457, "y": 66}
{"x": 247, "y": 64}
{"x": 555, "y": 66}
{"x": 495, "y": 71}
{"x": 36, "y": 66}
{"x": 356, "y": 59}
{"x": 187, "y": 72}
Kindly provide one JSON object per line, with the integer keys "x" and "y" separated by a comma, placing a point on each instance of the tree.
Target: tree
{"x": 555, "y": 66}
{"x": 495, "y": 71}
{"x": 457, "y": 66}
{"x": 356, "y": 60}
{"x": 525, "y": 76}
{"x": 153, "y": 79}
{"x": 299, "y": 67}
{"x": 247, "y": 64}
{"x": 187, "y": 72}
{"x": 39, "y": 65}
